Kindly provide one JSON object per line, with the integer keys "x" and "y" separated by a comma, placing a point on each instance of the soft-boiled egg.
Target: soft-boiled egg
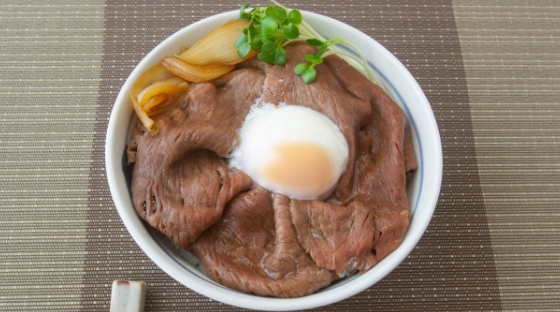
{"x": 292, "y": 150}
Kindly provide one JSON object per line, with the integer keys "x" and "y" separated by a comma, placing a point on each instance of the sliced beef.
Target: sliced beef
{"x": 325, "y": 95}
{"x": 337, "y": 237}
{"x": 181, "y": 182}
{"x": 367, "y": 215}
{"x": 262, "y": 243}
{"x": 254, "y": 248}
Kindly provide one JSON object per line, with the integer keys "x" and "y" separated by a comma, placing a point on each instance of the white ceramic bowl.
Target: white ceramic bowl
{"x": 422, "y": 191}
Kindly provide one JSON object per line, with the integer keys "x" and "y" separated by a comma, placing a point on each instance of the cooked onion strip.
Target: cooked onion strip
{"x": 153, "y": 74}
{"x": 144, "y": 118}
{"x": 171, "y": 87}
{"x": 160, "y": 108}
{"x": 153, "y": 102}
{"x": 194, "y": 73}
{"x": 217, "y": 47}
{"x": 154, "y": 90}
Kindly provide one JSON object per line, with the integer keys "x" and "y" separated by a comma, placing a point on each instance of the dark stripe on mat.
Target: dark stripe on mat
{"x": 452, "y": 268}
{"x": 424, "y": 37}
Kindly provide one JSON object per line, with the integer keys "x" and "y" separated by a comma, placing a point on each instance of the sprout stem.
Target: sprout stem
{"x": 360, "y": 63}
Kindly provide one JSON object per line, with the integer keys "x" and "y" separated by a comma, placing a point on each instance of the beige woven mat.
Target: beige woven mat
{"x": 490, "y": 69}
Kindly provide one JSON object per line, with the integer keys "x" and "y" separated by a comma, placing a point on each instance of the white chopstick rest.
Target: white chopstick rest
{"x": 128, "y": 296}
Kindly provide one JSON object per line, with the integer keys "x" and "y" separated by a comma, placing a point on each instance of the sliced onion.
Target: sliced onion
{"x": 144, "y": 118}
{"x": 155, "y": 73}
{"x": 212, "y": 56}
{"x": 154, "y": 101}
{"x": 153, "y": 91}
{"x": 194, "y": 73}
{"x": 161, "y": 107}
{"x": 218, "y": 46}
{"x": 169, "y": 86}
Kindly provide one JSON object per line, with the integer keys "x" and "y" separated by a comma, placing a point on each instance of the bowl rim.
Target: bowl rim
{"x": 136, "y": 227}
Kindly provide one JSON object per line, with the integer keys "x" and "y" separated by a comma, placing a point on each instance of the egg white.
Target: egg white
{"x": 268, "y": 125}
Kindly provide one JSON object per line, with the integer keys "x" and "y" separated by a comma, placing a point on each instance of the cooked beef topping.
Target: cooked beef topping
{"x": 254, "y": 248}
{"x": 247, "y": 238}
{"x": 181, "y": 181}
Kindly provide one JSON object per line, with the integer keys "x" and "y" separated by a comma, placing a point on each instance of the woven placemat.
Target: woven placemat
{"x": 490, "y": 70}
{"x": 465, "y": 280}
{"x": 512, "y": 65}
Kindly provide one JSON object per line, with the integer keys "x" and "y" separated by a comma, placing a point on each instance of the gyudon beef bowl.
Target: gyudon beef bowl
{"x": 268, "y": 184}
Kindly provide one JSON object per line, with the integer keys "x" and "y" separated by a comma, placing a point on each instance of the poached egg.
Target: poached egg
{"x": 292, "y": 150}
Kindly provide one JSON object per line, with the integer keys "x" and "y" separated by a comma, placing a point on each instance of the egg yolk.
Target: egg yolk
{"x": 300, "y": 166}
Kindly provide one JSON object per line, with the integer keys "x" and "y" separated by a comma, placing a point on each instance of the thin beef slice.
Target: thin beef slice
{"x": 254, "y": 248}
{"x": 366, "y": 216}
{"x": 181, "y": 181}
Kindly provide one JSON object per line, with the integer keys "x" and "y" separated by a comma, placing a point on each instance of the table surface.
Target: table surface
{"x": 490, "y": 69}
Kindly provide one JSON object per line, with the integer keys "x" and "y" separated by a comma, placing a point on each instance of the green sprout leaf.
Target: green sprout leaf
{"x": 243, "y": 13}
{"x": 280, "y": 57}
{"x": 265, "y": 57}
{"x": 242, "y": 46}
{"x": 270, "y": 46}
{"x": 313, "y": 59}
{"x": 321, "y": 50}
{"x": 301, "y": 68}
{"x": 271, "y": 11}
{"x": 251, "y": 31}
{"x": 281, "y": 16}
{"x": 256, "y": 44}
{"x": 314, "y": 42}
{"x": 269, "y": 27}
{"x": 306, "y": 71}
{"x": 291, "y": 31}
{"x": 309, "y": 75}
{"x": 295, "y": 17}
